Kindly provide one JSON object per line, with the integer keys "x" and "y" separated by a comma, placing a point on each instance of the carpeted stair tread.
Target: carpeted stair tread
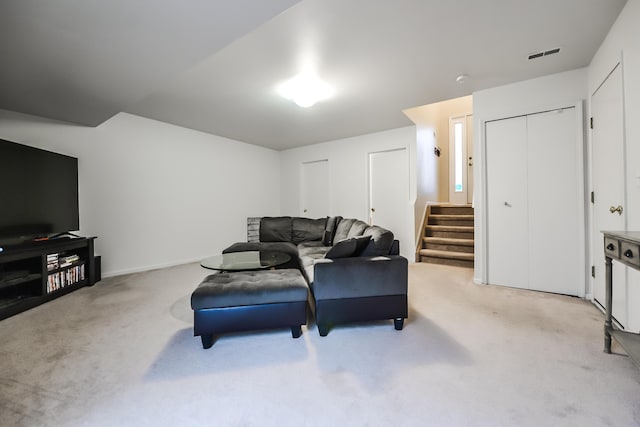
{"x": 448, "y": 241}
{"x": 452, "y": 216}
{"x": 446, "y": 254}
{"x": 462, "y": 228}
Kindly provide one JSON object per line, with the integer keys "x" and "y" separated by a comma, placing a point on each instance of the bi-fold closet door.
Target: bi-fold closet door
{"x": 535, "y": 208}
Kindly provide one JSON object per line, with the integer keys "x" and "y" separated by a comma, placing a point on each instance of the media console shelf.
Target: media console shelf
{"x": 34, "y": 273}
{"x": 624, "y": 247}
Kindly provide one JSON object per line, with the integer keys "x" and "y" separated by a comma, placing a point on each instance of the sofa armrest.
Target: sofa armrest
{"x": 357, "y": 277}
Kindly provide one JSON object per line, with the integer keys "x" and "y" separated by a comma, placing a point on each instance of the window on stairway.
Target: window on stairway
{"x": 458, "y": 140}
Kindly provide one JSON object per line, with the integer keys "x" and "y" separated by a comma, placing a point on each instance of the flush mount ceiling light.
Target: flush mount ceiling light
{"x": 305, "y": 90}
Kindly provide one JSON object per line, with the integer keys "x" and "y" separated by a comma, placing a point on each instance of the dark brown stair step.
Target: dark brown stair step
{"x": 448, "y": 241}
{"x": 451, "y": 209}
{"x": 458, "y": 217}
{"x": 459, "y": 228}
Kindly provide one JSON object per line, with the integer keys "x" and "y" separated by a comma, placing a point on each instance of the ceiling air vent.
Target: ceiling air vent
{"x": 544, "y": 53}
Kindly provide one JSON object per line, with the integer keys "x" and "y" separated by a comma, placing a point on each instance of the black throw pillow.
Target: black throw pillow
{"x": 361, "y": 243}
{"x": 342, "y": 249}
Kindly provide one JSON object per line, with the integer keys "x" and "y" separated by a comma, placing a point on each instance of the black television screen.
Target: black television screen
{"x": 38, "y": 192}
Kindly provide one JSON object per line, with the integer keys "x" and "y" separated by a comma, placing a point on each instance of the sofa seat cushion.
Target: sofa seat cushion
{"x": 243, "y": 288}
{"x": 310, "y": 254}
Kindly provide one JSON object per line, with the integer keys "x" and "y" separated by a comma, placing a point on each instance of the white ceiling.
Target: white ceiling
{"x": 213, "y": 66}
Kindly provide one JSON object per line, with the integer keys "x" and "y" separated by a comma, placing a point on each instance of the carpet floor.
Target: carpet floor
{"x": 122, "y": 353}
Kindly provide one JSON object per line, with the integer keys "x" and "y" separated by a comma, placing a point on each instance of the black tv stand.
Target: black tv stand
{"x": 36, "y": 272}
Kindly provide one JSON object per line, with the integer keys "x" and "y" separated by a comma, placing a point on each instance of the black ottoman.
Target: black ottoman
{"x": 248, "y": 300}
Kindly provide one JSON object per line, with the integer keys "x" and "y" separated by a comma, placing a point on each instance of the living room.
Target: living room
{"x": 160, "y": 196}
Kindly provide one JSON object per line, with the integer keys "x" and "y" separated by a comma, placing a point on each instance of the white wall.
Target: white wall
{"x": 553, "y": 91}
{"x": 349, "y": 186}
{"x": 157, "y": 194}
{"x": 432, "y": 128}
{"x": 623, "y": 42}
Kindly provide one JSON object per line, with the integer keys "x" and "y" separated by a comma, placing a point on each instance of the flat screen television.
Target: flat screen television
{"x": 38, "y": 193}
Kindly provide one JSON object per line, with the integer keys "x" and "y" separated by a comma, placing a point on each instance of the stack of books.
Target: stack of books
{"x": 66, "y": 261}
{"x": 65, "y": 278}
{"x": 52, "y": 261}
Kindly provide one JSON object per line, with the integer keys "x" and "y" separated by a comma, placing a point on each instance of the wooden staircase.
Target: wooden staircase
{"x": 448, "y": 236}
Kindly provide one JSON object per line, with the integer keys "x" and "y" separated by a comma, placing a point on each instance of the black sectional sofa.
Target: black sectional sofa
{"x": 354, "y": 270}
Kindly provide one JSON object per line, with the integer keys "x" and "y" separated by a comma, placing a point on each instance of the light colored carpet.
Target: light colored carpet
{"x": 123, "y": 353}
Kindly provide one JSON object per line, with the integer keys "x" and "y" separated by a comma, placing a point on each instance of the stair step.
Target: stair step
{"x": 450, "y": 231}
{"x": 448, "y": 236}
{"x": 448, "y": 244}
{"x": 448, "y": 241}
{"x": 463, "y": 220}
{"x": 446, "y": 254}
{"x": 451, "y": 209}
{"x": 460, "y": 228}
{"x": 445, "y": 261}
{"x": 449, "y": 216}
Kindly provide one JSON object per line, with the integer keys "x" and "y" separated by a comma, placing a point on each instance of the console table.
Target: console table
{"x": 624, "y": 247}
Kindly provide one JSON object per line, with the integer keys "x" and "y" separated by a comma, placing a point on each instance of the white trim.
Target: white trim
{"x": 483, "y": 223}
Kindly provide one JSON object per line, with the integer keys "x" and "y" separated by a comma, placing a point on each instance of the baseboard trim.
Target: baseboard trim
{"x": 151, "y": 267}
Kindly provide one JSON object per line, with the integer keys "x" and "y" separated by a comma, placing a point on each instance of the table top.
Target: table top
{"x": 247, "y": 260}
{"x": 633, "y": 236}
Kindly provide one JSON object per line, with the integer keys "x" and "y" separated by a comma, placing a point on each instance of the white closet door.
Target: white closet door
{"x": 555, "y": 229}
{"x": 507, "y": 210}
{"x": 535, "y": 210}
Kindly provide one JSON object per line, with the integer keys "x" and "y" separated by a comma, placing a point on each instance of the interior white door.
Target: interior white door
{"x": 315, "y": 189}
{"x": 389, "y": 190}
{"x": 556, "y": 203}
{"x": 507, "y": 209}
{"x": 608, "y": 185}
{"x": 535, "y": 207}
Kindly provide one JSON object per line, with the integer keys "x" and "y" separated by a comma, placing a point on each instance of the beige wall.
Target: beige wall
{"x": 432, "y": 127}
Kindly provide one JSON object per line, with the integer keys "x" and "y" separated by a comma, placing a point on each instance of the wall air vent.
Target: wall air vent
{"x": 544, "y": 53}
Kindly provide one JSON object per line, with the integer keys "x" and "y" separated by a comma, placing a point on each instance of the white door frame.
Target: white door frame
{"x": 464, "y": 119}
{"x": 596, "y": 254}
{"x": 482, "y": 223}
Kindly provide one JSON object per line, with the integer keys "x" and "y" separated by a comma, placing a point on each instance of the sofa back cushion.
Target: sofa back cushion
{"x": 307, "y": 230}
{"x": 330, "y": 230}
{"x": 381, "y": 241}
{"x": 342, "y": 230}
{"x": 275, "y": 229}
{"x": 357, "y": 228}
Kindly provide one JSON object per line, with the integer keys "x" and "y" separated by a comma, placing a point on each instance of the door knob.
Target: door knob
{"x": 305, "y": 211}
{"x": 613, "y": 209}
{"x": 507, "y": 204}
{"x": 373, "y": 210}
{"x": 610, "y": 247}
{"x": 628, "y": 253}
